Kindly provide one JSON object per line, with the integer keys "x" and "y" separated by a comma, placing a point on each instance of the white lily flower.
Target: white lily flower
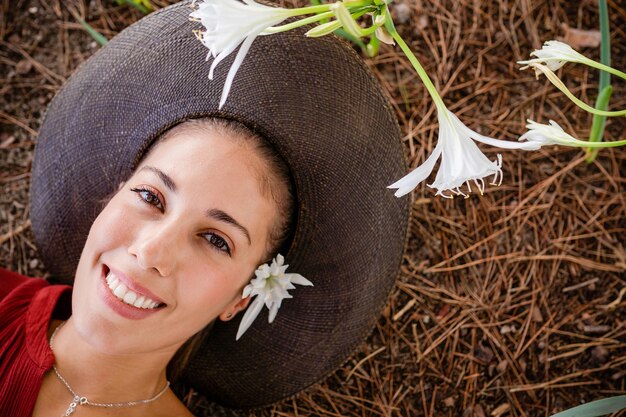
{"x": 461, "y": 159}
{"x": 550, "y": 134}
{"x": 270, "y": 288}
{"x": 554, "y": 55}
{"x": 228, "y": 24}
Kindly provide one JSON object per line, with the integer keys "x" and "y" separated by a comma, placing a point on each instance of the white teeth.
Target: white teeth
{"x": 128, "y": 296}
{"x": 147, "y": 303}
{"x": 120, "y": 291}
{"x": 139, "y": 301}
{"x": 112, "y": 282}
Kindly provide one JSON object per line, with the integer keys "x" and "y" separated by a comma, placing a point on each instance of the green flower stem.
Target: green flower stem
{"x": 372, "y": 47}
{"x": 605, "y": 68}
{"x": 360, "y": 11}
{"x": 585, "y": 144}
{"x": 342, "y": 33}
{"x": 604, "y": 89}
{"x": 559, "y": 84}
{"x": 298, "y": 23}
{"x": 326, "y": 7}
{"x": 318, "y": 3}
{"x": 430, "y": 87}
{"x": 370, "y": 30}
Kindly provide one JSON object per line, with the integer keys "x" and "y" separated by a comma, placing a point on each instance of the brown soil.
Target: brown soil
{"x": 509, "y": 304}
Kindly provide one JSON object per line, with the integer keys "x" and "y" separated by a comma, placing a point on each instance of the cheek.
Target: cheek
{"x": 106, "y": 234}
{"x": 207, "y": 293}
{"x": 112, "y": 227}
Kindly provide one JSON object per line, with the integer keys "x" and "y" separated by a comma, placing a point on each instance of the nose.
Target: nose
{"x": 152, "y": 247}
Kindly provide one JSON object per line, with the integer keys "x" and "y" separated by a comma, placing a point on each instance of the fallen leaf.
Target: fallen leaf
{"x": 579, "y": 38}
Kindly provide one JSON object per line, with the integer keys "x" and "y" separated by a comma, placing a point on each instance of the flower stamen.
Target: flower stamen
{"x": 498, "y": 173}
{"x": 458, "y": 191}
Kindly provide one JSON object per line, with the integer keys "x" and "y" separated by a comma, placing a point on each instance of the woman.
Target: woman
{"x": 198, "y": 194}
{"x": 203, "y": 190}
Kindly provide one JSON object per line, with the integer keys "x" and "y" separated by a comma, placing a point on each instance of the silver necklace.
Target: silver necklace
{"x": 80, "y": 400}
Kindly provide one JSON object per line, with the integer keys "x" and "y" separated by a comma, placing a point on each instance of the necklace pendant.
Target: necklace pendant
{"x": 75, "y": 403}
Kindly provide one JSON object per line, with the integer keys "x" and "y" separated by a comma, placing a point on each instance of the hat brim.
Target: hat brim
{"x": 319, "y": 106}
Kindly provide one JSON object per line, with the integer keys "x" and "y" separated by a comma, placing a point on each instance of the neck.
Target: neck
{"x": 104, "y": 377}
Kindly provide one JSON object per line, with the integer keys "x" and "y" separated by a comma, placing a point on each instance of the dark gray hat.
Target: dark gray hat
{"x": 323, "y": 111}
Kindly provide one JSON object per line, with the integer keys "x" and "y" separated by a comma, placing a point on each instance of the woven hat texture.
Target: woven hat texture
{"x": 319, "y": 106}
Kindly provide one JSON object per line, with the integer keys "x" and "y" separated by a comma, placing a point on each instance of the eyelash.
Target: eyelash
{"x": 148, "y": 195}
{"x": 218, "y": 242}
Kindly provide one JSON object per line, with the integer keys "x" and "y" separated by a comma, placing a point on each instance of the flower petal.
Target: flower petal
{"x": 299, "y": 279}
{"x": 273, "y": 312}
{"x": 504, "y": 144}
{"x": 243, "y": 50}
{"x": 247, "y": 291}
{"x": 220, "y": 57}
{"x": 407, "y": 183}
{"x": 251, "y": 314}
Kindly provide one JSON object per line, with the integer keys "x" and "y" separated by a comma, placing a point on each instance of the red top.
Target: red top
{"x": 26, "y": 307}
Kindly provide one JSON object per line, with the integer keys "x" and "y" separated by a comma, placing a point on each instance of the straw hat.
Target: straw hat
{"x": 319, "y": 106}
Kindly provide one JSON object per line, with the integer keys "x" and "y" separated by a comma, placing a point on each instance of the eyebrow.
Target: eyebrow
{"x": 167, "y": 180}
{"x": 222, "y": 216}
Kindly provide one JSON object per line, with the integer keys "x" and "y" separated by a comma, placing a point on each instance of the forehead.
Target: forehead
{"x": 202, "y": 146}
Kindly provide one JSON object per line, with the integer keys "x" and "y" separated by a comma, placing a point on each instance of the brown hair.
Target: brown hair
{"x": 275, "y": 182}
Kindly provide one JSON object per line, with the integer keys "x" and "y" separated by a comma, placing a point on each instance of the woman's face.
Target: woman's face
{"x": 178, "y": 241}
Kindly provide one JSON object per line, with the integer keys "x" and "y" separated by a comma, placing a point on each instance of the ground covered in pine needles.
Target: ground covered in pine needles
{"x": 509, "y": 304}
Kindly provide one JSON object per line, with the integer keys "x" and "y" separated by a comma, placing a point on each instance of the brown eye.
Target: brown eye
{"x": 149, "y": 197}
{"x": 217, "y": 242}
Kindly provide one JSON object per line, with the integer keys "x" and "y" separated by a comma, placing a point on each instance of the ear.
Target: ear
{"x": 238, "y": 304}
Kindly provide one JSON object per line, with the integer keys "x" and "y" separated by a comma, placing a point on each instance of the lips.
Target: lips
{"x": 126, "y": 297}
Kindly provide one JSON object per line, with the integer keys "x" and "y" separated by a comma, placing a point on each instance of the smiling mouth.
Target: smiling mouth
{"x": 128, "y": 296}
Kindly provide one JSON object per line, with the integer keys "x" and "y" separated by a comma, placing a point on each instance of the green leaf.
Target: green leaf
{"x": 94, "y": 33}
{"x": 598, "y": 122}
{"x": 596, "y": 408}
{"x": 602, "y": 103}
